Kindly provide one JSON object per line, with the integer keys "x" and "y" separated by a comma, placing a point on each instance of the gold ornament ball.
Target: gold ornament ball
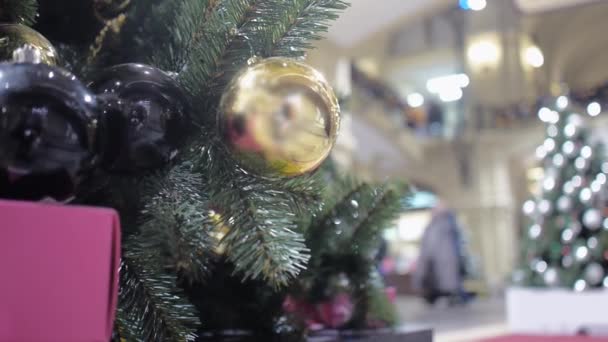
{"x": 279, "y": 118}
{"x": 16, "y": 36}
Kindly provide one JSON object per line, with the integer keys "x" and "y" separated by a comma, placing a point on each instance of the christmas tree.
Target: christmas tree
{"x": 225, "y": 221}
{"x": 565, "y": 242}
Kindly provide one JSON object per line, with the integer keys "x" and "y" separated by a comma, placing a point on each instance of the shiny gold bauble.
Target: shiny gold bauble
{"x": 279, "y": 118}
{"x": 16, "y": 36}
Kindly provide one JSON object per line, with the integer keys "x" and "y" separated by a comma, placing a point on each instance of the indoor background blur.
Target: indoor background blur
{"x": 445, "y": 94}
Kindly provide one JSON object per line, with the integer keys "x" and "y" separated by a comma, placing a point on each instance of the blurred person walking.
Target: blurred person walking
{"x": 441, "y": 268}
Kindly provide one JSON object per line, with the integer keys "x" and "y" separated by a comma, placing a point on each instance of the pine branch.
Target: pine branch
{"x": 263, "y": 242}
{"x": 150, "y": 304}
{"x": 278, "y": 28}
{"x": 214, "y": 39}
{"x": 384, "y": 209}
{"x": 19, "y": 11}
{"x": 307, "y": 20}
{"x": 176, "y": 223}
{"x": 212, "y": 48}
{"x": 326, "y": 229}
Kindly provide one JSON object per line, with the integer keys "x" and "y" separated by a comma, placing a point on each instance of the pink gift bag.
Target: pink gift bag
{"x": 59, "y": 269}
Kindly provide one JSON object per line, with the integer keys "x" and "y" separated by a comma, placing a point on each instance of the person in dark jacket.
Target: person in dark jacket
{"x": 439, "y": 270}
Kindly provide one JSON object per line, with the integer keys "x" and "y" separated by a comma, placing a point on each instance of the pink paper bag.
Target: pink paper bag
{"x": 59, "y": 269}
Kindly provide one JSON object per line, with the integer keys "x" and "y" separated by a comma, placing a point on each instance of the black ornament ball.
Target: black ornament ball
{"x": 144, "y": 117}
{"x": 46, "y": 120}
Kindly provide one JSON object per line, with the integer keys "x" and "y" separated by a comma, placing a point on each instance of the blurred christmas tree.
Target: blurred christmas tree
{"x": 209, "y": 162}
{"x": 566, "y": 241}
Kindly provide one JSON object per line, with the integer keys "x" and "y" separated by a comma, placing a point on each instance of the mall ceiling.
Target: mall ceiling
{"x": 366, "y": 17}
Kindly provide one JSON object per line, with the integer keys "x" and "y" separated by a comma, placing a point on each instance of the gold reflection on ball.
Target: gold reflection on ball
{"x": 279, "y": 118}
{"x": 16, "y": 36}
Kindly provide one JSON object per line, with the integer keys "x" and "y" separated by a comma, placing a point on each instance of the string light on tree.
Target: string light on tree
{"x": 601, "y": 178}
{"x": 568, "y": 235}
{"x": 545, "y": 207}
{"x": 547, "y": 115}
{"x": 582, "y": 254}
{"x": 592, "y": 219}
{"x": 568, "y": 188}
{"x": 558, "y": 160}
{"x": 540, "y": 266}
{"x": 581, "y": 164}
{"x": 580, "y": 285}
{"x": 564, "y": 204}
{"x": 533, "y": 56}
{"x": 594, "y": 109}
{"x": 586, "y": 196}
{"x": 552, "y": 131}
{"x": 535, "y": 231}
{"x": 586, "y": 152}
{"x": 592, "y": 243}
{"x": 569, "y": 149}
{"x": 541, "y": 153}
{"x": 562, "y": 102}
{"x": 473, "y": 5}
{"x": 577, "y": 181}
{"x": 594, "y": 273}
{"x": 415, "y": 100}
{"x": 529, "y": 207}
{"x": 549, "y": 145}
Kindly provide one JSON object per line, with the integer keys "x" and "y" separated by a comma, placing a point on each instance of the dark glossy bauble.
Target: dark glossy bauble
{"x": 144, "y": 117}
{"x": 46, "y": 122}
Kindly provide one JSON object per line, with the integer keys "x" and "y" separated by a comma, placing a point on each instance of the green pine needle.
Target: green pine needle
{"x": 176, "y": 224}
{"x": 19, "y": 11}
{"x": 150, "y": 304}
{"x": 263, "y": 242}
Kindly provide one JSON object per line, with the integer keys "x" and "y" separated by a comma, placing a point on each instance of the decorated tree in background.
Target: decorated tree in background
{"x": 565, "y": 242}
{"x": 208, "y": 151}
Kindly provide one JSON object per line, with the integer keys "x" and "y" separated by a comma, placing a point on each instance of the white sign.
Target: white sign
{"x": 556, "y": 311}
